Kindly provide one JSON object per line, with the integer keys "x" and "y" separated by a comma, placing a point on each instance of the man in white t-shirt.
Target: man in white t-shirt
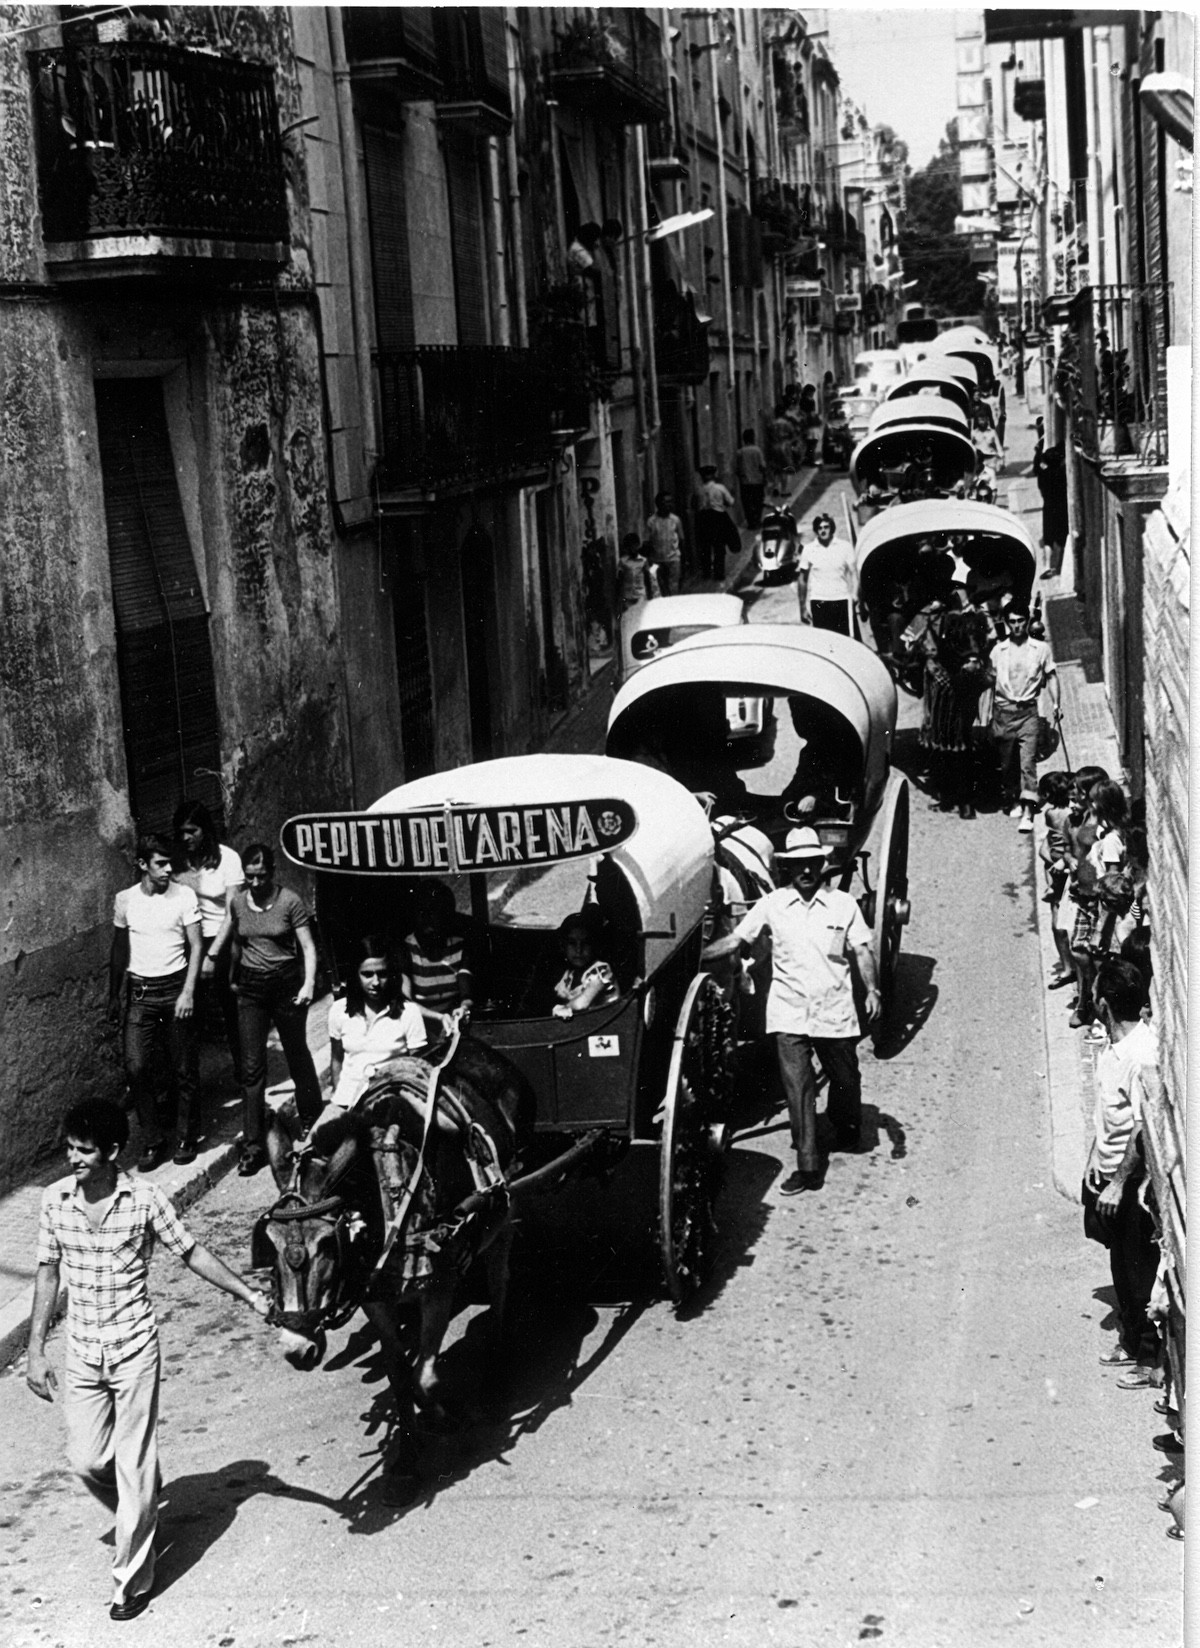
{"x": 1023, "y": 669}
{"x": 156, "y": 958}
{"x": 818, "y": 939}
{"x": 827, "y": 584}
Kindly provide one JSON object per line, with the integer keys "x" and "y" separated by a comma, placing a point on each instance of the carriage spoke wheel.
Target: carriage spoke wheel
{"x": 891, "y": 897}
{"x": 696, "y": 1110}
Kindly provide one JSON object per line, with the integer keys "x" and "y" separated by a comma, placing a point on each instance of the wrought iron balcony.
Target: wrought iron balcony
{"x": 472, "y": 56}
{"x": 777, "y": 207}
{"x": 394, "y": 47}
{"x": 611, "y": 64}
{"x": 149, "y": 152}
{"x": 1113, "y": 374}
{"x": 452, "y": 418}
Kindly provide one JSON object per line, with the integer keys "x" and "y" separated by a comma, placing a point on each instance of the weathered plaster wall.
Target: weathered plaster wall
{"x": 269, "y": 542}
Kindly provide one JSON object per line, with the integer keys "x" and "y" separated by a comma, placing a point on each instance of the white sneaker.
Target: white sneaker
{"x": 1016, "y": 811}
{"x": 1025, "y": 827}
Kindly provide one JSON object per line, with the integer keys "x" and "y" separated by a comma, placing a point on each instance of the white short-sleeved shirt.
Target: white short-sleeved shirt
{"x": 1119, "y": 1093}
{"x": 212, "y": 888}
{"x": 156, "y": 923}
{"x": 832, "y": 570}
{"x": 368, "y": 1040}
{"x": 1107, "y": 852}
{"x": 1022, "y": 671}
{"x": 812, "y": 991}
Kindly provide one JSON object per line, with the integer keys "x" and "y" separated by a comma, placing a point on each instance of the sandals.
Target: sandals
{"x": 1118, "y": 1357}
{"x": 1140, "y": 1379}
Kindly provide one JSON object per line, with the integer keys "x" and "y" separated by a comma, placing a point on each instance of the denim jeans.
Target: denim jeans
{"x": 162, "y": 1059}
{"x": 266, "y": 999}
{"x": 839, "y": 1060}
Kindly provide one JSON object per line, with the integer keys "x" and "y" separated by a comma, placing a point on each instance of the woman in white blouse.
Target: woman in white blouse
{"x": 370, "y": 1024}
{"x": 214, "y": 873}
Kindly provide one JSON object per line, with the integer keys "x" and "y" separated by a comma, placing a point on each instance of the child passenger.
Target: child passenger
{"x": 588, "y": 981}
{"x": 437, "y": 970}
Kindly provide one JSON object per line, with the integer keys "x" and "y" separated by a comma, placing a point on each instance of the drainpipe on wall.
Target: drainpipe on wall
{"x": 356, "y": 229}
{"x": 501, "y": 316}
{"x": 514, "y": 188}
{"x": 723, "y": 214}
{"x": 633, "y": 307}
{"x": 643, "y": 230}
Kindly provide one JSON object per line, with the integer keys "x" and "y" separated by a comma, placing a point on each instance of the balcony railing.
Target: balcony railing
{"x": 612, "y": 65}
{"x": 451, "y": 417}
{"x": 145, "y": 142}
{"x": 778, "y": 208}
{"x": 473, "y": 61}
{"x": 1113, "y": 374}
{"x": 393, "y": 45}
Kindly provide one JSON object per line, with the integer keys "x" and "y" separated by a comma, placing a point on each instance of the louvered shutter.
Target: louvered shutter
{"x": 466, "y": 239}
{"x": 164, "y": 655}
{"x": 383, "y": 153}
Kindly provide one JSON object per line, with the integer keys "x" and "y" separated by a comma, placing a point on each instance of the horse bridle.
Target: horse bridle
{"x": 291, "y": 1208}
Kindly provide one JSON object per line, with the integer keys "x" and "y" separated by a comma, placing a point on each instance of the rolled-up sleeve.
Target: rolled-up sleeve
{"x": 168, "y": 1227}
{"x": 48, "y": 1250}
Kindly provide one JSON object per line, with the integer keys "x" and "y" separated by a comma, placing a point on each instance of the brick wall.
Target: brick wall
{"x": 1166, "y": 627}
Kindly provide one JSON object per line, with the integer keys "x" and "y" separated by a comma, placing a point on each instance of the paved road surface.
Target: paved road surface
{"x": 884, "y": 1422}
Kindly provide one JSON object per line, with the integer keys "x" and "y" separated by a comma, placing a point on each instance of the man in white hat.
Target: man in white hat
{"x": 816, "y": 935}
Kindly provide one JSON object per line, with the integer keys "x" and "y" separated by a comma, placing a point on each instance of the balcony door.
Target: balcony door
{"x": 164, "y": 655}
{"x": 479, "y": 621}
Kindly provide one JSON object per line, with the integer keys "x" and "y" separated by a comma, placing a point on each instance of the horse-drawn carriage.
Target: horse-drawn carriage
{"x": 920, "y": 444}
{"x": 994, "y": 545}
{"x": 554, "y": 835}
{"x": 824, "y": 757}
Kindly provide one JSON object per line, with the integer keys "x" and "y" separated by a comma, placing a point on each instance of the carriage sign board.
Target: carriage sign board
{"x": 456, "y": 839}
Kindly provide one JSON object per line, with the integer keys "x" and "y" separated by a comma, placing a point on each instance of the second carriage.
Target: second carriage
{"x": 823, "y": 757}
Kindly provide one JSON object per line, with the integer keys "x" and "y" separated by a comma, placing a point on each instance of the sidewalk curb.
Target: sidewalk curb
{"x": 1067, "y": 1143}
{"x": 183, "y": 1185}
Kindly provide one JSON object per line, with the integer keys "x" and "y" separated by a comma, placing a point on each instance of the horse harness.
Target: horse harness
{"x": 292, "y": 1207}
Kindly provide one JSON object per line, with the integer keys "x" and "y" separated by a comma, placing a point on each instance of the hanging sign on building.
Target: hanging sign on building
{"x": 848, "y": 303}
{"x": 456, "y": 840}
{"x": 802, "y": 288}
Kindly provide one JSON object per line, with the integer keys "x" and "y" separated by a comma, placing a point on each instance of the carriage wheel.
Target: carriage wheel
{"x": 891, "y": 895}
{"x": 694, "y": 1134}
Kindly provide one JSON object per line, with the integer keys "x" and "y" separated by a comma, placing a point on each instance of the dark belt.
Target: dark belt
{"x": 165, "y": 984}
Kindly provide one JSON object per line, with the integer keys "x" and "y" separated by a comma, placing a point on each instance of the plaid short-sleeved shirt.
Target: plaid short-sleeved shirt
{"x": 109, "y": 1314}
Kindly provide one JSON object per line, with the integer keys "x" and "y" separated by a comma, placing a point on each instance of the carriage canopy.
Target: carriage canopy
{"x": 665, "y": 713}
{"x": 954, "y": 346}
{"x": 992, "y": 542}
{"x": 528, "y": 814}
{"x": 932, "y": 378}
{"x": 918, "y": 409}
{"x": 950, "y": 454}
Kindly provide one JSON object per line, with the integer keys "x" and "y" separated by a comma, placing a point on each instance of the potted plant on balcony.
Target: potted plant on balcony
{"x": 590, "y": 44}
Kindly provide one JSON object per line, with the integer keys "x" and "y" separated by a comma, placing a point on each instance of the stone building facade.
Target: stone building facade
{"x": 338, "y": 348}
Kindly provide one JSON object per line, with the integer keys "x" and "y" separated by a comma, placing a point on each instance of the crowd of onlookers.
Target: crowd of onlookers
{"x": 1094, "y": 861}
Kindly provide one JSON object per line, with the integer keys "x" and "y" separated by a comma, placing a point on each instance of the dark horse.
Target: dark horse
{"x": 386, "y": 1206}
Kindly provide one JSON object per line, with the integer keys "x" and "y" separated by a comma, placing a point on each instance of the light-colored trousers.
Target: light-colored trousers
{"x": 112, "y": 1441}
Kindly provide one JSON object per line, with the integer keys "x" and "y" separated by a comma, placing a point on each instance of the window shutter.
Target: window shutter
{"x": 383, "y": 153}
{"x": 164, "y": 655}
{"x": 466, "y": 238}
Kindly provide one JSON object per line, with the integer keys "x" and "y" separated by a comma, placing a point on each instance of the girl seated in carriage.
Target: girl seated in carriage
{"x": 588, "y": 981}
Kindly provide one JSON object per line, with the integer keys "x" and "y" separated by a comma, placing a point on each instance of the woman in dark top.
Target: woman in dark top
{"x": 274, "y": 973}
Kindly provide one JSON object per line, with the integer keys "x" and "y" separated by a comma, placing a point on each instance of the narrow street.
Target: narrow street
{"x": 883, "y": 1421}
